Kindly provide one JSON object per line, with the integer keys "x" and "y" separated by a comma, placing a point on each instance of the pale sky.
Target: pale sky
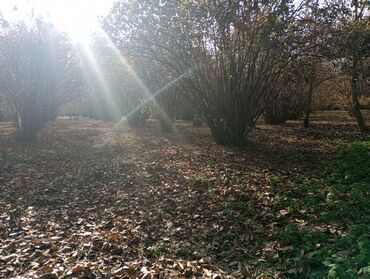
{"x": 75, "y": 17}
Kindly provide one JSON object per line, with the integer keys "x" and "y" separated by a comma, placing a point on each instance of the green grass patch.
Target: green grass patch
{"x": 340, "y": 206}
{"x": 334, "y": 142}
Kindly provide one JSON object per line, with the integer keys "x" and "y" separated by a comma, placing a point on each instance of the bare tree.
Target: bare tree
{"x": 39, "y": 73}
{"x": 165, "y": 92}
{"x": 290, "y": 103}
{"x": 350, "y": 47}
{"x": 360, "y": 31}
{"x": 228, "y": 53}
{"x": 115, "y": 86}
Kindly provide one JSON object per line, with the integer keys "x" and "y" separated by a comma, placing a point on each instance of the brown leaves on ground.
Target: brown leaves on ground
{"x": 90, "y": 201}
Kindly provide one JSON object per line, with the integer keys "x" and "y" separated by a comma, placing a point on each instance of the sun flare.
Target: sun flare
{"x": 78, "y": 18}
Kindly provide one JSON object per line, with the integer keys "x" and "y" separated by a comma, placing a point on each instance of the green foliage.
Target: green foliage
{"x": 156, "y": 251}
{"x": 344, "y": 251}
{"x": 352, "y": 164}
{"x": 349, "y": 176}
{"x": 335, "y": 142}
{"x": 352, "y": 256}
{"x": 240, "y": 206}
{"x": 274, "y": 179}
{"x": 305, "y": 195}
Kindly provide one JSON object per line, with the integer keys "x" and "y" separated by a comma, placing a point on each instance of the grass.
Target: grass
{"x": 341, "y": 249}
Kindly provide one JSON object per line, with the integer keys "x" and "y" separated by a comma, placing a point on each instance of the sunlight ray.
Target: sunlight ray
{"x": 148, "y": 94}
{"x": 93, "y": 64}
{"x": 124, "y": 63}
{"x": 162, "y": 90}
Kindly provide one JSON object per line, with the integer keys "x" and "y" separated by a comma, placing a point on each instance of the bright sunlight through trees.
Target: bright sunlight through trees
{"x": 215, "y": 139}
{"x": 78, "y": 18}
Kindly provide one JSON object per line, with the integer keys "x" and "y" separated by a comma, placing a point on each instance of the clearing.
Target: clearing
{"x": 97, "y": 200}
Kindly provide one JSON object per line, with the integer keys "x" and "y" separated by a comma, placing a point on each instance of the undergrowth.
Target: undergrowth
{"x": 335, "y": 241}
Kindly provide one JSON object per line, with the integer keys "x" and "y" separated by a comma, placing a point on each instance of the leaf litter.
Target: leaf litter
{"x": 88, "y": 202}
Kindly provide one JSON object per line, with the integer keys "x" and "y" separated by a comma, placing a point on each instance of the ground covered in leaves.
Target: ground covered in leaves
{"x": 95, "y": 200}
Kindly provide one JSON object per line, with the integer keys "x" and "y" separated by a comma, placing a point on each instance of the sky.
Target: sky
{"x": 78, "y": 18}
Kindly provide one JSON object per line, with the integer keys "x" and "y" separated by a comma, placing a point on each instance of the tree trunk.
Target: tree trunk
{"x": 355, "y": 100}
{"x": 306, "y": 122}
{"x": 197, "y": 120}
{"x": 355, "y": 75}
{"x": 28, "y": 126}
{"x": 165, "y": 122}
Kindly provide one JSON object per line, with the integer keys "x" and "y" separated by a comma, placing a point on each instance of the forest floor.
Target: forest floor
{"x": 95, "y": 200}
